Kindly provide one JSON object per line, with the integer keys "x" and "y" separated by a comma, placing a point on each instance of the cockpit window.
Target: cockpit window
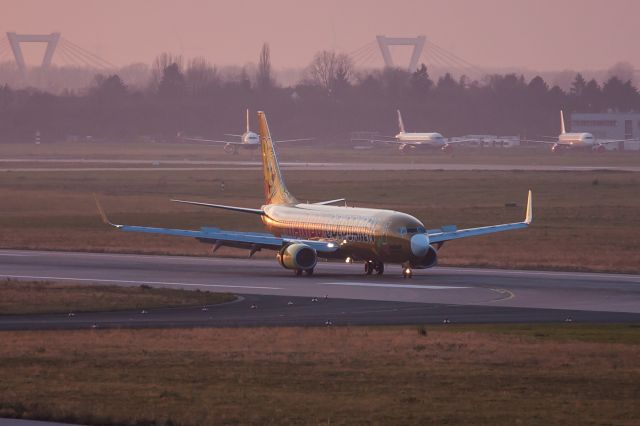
{"x": 402, "y": 230}
{"x": 417, "y": 230}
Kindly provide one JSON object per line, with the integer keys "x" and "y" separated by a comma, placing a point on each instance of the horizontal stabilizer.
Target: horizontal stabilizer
{"x": 325, "y": 203}
{"x": 184, "y": 138}
{"x": 221, "y": 206}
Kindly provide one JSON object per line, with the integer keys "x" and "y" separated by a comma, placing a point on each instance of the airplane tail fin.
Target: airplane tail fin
{"x": 562, "y": 128}
{"x": 400, "y": 123}
{"x": 275, "y": 191}
{"x": 248, "y": 121}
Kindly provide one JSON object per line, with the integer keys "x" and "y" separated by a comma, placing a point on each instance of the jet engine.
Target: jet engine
{"x": 230, "y": 149}
{"x": 424, "y": 255}
{"x": 298, "y": 256}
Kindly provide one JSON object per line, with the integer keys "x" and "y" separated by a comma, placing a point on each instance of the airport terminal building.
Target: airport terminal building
{"x": 610, "y": 125}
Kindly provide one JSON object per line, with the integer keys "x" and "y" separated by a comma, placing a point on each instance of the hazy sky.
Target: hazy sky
{"x": 535, "y": 34}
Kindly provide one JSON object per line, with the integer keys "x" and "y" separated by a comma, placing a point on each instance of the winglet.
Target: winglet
{"x": 563, "y": 130}
{"x": 103, "y": 216}
{"x": 529, "y": 215}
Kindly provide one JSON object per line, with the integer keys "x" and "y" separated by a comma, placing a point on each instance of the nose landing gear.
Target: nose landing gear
{"x": 371, "y": 266}
{"x": 407, "y": 272}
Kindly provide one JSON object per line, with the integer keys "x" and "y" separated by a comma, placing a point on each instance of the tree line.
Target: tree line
{"x": 330, "y": 101}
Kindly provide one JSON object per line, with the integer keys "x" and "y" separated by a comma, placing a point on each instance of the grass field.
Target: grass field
{"x": 582, "y": 220}
{"x": 316, "y": 153}
{"x": 24, "y": 297}
{"x": 546, "y": 375}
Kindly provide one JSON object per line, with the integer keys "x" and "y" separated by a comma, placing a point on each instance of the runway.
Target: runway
{"x": 83, "y": 165}
{"x": 344, "y": 294}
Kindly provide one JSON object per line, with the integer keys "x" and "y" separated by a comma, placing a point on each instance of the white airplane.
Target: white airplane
{"x": 406, "y": 139}
{"x": 576, "y": 140}
{"x": 248, "y": 139}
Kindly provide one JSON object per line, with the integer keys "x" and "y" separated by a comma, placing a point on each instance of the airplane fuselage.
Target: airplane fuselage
{"x": 576, "y": 140}
{"x": 428, "y": 139}
{"x": 361, "y": 233}
{"x": 251, "y": 139}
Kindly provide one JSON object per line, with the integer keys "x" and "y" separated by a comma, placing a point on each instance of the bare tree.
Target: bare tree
{"x": 200, "y": 76}
{"x": 160, "y": 63}
{"x": 329, "y": 68}
{"x": 264, "y": 79}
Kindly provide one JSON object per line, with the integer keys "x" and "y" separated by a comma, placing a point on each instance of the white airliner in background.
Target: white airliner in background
{"x": 406, "y": 139}
{"x": 576, "y": 140}
{"x": 248, "y": 139}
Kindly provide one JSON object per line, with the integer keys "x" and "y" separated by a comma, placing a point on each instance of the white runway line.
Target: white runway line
{"x": 549, "y": 274}
{"x": 33, "y": 277}
{"x": 391, "y": 285}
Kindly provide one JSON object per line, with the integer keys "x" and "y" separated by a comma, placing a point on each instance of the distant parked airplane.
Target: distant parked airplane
{"x": 566, "y": 141}
{"x": 406, "y": 139}
{"x": 248, "y": 139}
{"x": 300, "y": 233}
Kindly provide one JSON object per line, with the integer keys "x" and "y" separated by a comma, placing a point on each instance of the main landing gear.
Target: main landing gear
{"x": 371, "y": 266}
{"x": 299, "y": 272}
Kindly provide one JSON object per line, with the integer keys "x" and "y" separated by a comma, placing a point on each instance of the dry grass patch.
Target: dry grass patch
{"x": 24, "y": 297}
{"x": 315, "y": 152}
{"x": 381, "y": 375}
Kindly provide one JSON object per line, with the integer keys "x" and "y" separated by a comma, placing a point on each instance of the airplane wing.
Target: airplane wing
{"x": 219, "y": 237}
{"x": 605, "y": 141}
{"x": 294, "y": 140}
{"x": 397, "y": 142}
{"x": 389, "y": 140}
{"x": 539, "y": 141}
{"x": 450, "y": 142}
{"x": 451, "y": 233}
{"x": 210, "y": 141}
{"x": 233, "y": 135}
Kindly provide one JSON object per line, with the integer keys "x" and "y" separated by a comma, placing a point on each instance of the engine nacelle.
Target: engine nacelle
{"x": 298, "y": 256}
{"x": 428, "y": 260}
{"x": 230, "y": 149}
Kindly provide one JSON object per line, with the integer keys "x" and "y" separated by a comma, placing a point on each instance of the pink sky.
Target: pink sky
{"x": 534, "y": 34}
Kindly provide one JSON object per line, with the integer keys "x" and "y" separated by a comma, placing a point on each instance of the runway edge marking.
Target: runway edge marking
{"x": 392, "y": 285}
{"x": 138, "y": 282}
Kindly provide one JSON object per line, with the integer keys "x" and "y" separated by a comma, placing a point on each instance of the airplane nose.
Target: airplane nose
{"x": 419, "y": 245}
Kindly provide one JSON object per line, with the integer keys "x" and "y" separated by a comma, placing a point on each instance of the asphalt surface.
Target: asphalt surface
{"x": 62, "y": 165}
{"x": 338, "y": 293}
